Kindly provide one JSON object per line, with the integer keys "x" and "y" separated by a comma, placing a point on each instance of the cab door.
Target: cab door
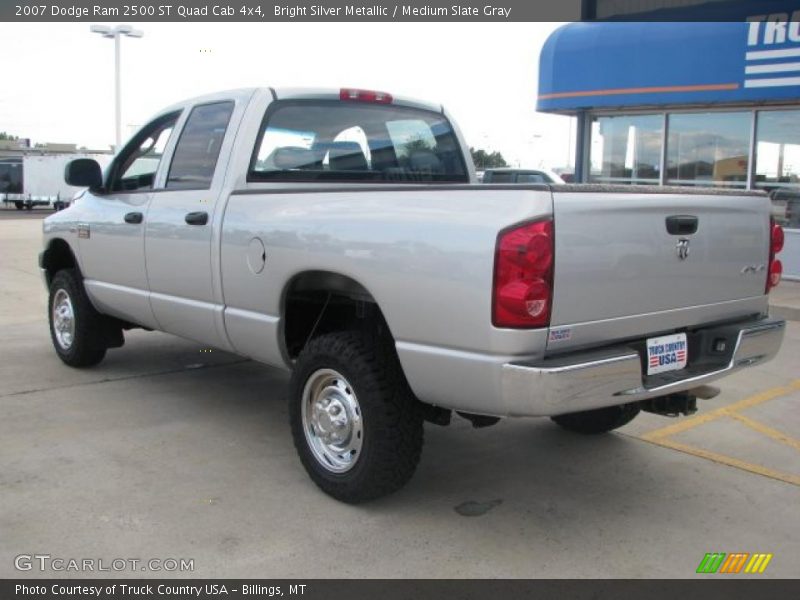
{"x": 111, "y": 233}
{"x": 180, "y": 230}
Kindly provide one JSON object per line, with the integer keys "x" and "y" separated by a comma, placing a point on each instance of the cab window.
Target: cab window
{"x": 316, "y": 140}
{"x": 197, "y": 151}
{"x": 501, "y": 177}
{"x": 531, "y": 178}
{"x": 136, "y": 166}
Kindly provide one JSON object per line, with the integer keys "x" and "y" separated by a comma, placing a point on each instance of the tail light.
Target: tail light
{"x": 523, "y": 276}
{"x": 355, "y": 95}
{"x": 775, "y": 268}
{"x": 776, "y": 237}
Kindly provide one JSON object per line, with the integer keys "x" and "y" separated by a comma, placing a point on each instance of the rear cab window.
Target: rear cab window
{"x": 314, "y": 140}
{"x": 195, "y": 158}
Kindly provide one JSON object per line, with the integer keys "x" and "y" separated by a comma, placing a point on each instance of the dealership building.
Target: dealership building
{"x": 685, "y": 103}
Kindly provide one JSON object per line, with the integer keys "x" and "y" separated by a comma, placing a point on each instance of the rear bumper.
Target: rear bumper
{"x": 590, "y": 380}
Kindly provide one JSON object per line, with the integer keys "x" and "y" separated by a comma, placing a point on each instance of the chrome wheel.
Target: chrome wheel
{"x": 63, "y": 319}
{"x": 332, "y": 420}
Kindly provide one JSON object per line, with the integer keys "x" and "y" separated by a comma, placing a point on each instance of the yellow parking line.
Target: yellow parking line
{"x": 691, "y": 422}
{"x": 767, "y": 430}
{"x": 726, "y": 460}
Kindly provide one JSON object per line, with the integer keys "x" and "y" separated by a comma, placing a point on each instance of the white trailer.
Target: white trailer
{"x": 43, "y": 180}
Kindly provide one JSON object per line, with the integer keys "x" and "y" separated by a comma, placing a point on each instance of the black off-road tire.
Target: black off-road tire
{"x": 601, "y": 420}
{"x": 88, "y": 345}
{"x": 392, "y": 418}
{"x": 19, "y": 205}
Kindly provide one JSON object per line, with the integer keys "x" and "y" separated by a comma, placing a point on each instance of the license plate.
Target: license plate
{"x": 666, "y": 353}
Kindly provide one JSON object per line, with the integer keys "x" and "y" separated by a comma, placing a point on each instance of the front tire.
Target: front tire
{"x": 602, "y": 420}
{"x": 357, "y": 426}
{"x": 76, "y": 328}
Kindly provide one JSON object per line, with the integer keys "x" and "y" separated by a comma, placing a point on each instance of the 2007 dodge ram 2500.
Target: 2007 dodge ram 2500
{"x": 341, "y": 234}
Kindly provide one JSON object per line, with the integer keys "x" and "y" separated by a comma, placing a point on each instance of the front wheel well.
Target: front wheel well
{"x": 56, "y": 257}
{"x": 319, "y": 302}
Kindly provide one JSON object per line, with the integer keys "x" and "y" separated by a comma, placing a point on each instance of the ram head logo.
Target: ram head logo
{"x": 682, "y": 248}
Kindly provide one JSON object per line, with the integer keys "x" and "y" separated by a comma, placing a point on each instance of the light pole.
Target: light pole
{"x": 115, "y": 34}
{"x": 535, "y": 138}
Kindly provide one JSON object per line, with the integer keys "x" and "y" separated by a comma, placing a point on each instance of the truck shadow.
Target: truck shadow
{"x": 525, "y": 466}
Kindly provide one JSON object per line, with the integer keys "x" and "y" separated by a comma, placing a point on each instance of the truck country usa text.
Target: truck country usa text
{"x": 455, "y": 10}
{"x": 662, "y": 354}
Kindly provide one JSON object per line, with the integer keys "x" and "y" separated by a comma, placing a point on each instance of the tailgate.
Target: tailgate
{"x": 620, "y": 272}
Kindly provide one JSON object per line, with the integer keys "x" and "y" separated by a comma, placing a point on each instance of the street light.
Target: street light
{"x": 115, "y": 34}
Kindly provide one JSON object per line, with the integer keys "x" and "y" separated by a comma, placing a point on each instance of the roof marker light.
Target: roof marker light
{"x": 356, "y": 95}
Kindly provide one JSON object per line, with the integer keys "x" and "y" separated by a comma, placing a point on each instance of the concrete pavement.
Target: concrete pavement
{"x": 785, "y": 300}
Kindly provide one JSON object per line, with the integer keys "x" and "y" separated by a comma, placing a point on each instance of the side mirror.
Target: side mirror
{"x": 84, "y": 172}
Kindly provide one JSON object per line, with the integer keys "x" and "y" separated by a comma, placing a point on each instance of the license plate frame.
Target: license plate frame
{"x": 666, "y": 353}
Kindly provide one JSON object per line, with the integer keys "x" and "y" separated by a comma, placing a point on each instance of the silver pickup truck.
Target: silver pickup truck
{"x": 342, "y": 235}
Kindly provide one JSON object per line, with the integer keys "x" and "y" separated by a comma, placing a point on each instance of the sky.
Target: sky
{"x": 59, "y": 82}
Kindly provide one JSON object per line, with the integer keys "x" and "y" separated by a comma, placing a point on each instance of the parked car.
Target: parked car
{"x": 520, "y": 176}
{"x": 341, "y": 235}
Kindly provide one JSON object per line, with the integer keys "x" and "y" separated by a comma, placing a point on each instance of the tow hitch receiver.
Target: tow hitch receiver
{"x": 681, "y": 403}
{"x": 674, "y": 405}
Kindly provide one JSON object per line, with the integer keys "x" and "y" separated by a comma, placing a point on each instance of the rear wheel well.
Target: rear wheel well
{"x": 58, "y": 256}
{"x": 319, "y": 302}
{"x": 316, "y": 303}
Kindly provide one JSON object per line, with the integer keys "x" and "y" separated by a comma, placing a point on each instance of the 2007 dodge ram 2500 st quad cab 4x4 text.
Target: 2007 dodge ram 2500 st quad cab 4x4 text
{"x": 342, "y": 235}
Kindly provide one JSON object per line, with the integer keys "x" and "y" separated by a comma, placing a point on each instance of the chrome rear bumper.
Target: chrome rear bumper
{"x": 589, "y": 380}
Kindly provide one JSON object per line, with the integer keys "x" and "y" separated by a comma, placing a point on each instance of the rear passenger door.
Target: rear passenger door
{"x": 182, "y": 269}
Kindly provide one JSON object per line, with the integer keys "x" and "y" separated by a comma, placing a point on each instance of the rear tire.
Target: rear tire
{"x": 602, "y": 420}
{"x": 76, "y": 328}
{"x": 19, "y": 205}
{"x": 355, "y": 422}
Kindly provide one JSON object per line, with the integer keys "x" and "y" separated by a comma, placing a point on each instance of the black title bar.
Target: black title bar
{"x": 291, "y": 10}
{"x": 265, "y": 11}
{"x": 707, "y": 588}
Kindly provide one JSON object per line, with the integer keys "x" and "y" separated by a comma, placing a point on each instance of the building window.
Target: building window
{"x": 708, "y": 148}
{"x": 778, "y": 162}
{"x": 626, "y": 149}
{"x": 778, "y": 149}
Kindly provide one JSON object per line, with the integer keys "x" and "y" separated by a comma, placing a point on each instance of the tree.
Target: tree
{"x": 487, "y": 160}
{"x": 415, "y": 144}
{"x": 7, "y": 137}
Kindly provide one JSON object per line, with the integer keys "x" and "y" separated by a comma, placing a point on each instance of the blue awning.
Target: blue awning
{"x": 643, "y": 64}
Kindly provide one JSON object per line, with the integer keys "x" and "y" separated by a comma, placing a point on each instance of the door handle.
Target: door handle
{"x": 134, "y": 218}
{"x": 682, "y": 225}
{"x": 197, "y": 218}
